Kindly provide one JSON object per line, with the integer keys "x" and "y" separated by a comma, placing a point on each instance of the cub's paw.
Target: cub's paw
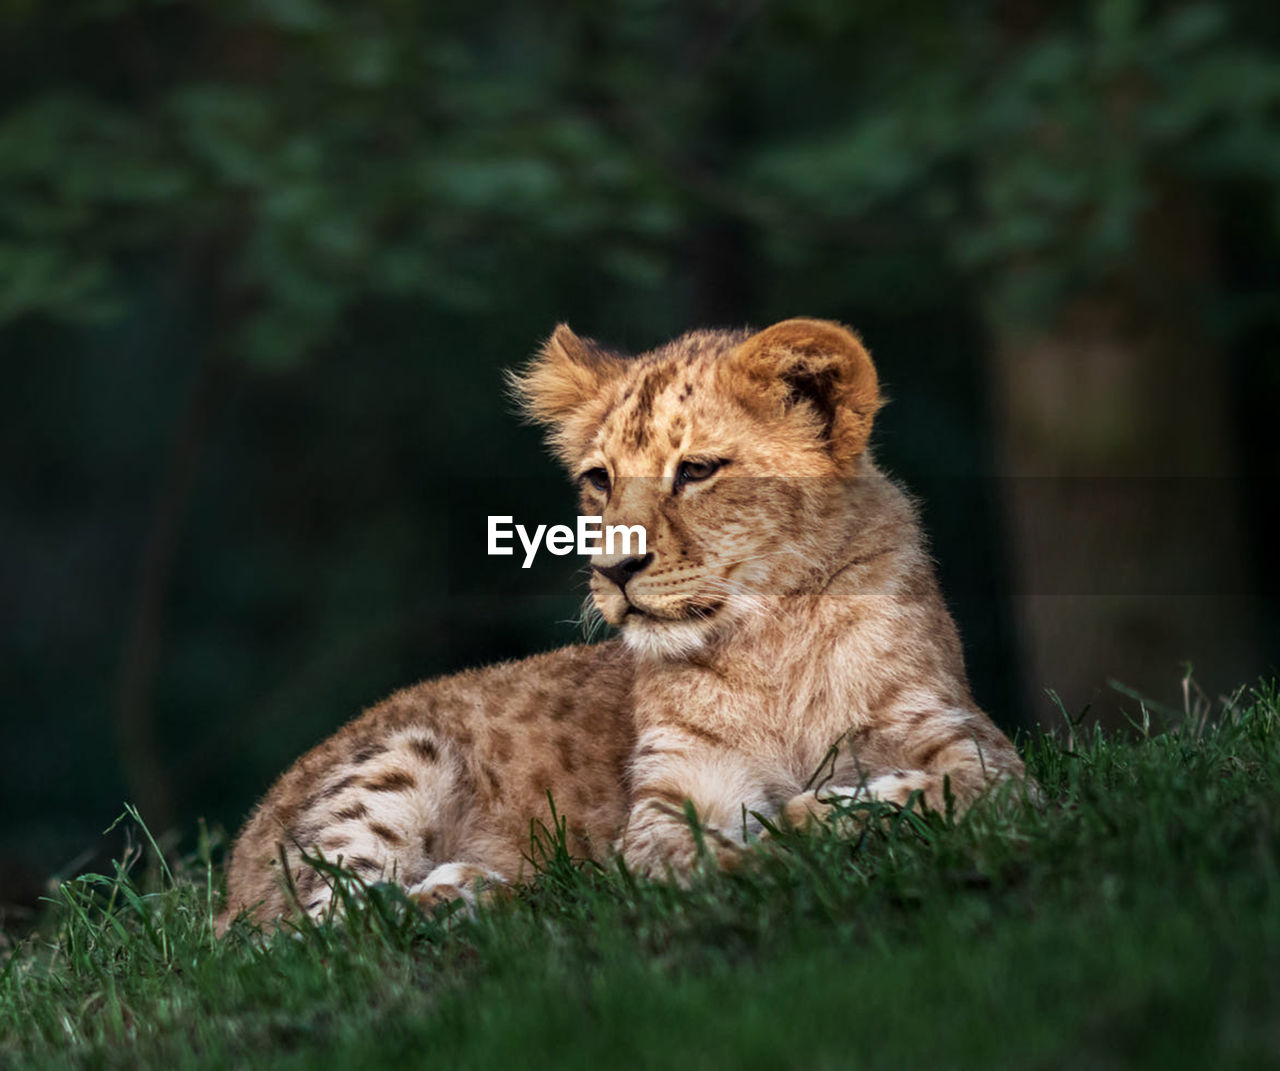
{"x": 675, "y": 853}
{"x": 832, "y": 806}
{"x": 846, "y": 809}
{"x": 448, "y": 882}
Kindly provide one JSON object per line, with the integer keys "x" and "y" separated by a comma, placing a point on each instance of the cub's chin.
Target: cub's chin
{"x": 662, "y": 636}
{"x": 665, "y": 640}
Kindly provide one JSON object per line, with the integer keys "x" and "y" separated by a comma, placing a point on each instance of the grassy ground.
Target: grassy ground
{"x": 1133, "y": 921}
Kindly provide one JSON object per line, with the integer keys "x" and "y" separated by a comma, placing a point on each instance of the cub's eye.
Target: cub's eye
{"x": 693, "y": 471}
{"x": 597, "y": 478}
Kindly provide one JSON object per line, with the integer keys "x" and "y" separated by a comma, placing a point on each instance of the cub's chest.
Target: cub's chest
{"x": 757, "y": 708}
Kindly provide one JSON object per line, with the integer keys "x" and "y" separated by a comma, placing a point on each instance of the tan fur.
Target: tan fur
{"x": 789, "y": 605}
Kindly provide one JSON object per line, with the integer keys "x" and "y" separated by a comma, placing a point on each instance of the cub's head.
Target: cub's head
{"x": 734, "y": 451}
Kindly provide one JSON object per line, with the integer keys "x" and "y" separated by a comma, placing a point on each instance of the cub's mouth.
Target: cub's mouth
{"x": 703, "y": 610}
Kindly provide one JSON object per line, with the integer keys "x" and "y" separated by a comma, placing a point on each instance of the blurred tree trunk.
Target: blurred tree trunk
{"x": 1115, "y": 458}
{"x": 146, "y": 774}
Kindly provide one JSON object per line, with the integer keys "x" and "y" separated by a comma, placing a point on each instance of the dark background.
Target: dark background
{"x": 261, "y": 265}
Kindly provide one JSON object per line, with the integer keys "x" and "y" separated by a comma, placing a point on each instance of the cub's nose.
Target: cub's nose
{"x": 622, "y": 571}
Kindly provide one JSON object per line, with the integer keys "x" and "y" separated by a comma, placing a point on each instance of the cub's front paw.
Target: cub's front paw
{"x": 680, "y": 863}
{"x": 675, "y": 851}
{"x": 457, "y": 881}
{"x": 833, "y": 806}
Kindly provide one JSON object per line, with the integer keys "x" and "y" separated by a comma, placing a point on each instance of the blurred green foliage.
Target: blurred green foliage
{"x": 307, "y": 156}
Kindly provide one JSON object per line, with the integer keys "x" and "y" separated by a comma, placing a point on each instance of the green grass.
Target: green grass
{"x": 1133, "y": 920}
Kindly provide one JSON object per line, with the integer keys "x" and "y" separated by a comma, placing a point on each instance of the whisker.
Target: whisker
{"x": 590, "y": 620}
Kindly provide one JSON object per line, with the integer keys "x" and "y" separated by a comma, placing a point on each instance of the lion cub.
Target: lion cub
{"x": 785, "y": 604}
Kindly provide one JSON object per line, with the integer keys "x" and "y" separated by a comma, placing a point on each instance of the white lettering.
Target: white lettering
{"x": 589, "y": 533}
{"x": 560, "y": 539}
{"x": 626, "y": 533}
{"x": 496, "y": 533}
{"x": 530, "y": 545}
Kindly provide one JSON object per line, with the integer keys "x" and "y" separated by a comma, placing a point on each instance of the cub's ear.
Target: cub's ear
{"x": 817, "y": 364}
{"x": 557, "y": 388}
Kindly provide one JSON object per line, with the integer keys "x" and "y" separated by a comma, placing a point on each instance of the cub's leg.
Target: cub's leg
{"x": 915, "y": 756}
{"x": 670, "y": 767}
{"x": 391, "y": 809}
